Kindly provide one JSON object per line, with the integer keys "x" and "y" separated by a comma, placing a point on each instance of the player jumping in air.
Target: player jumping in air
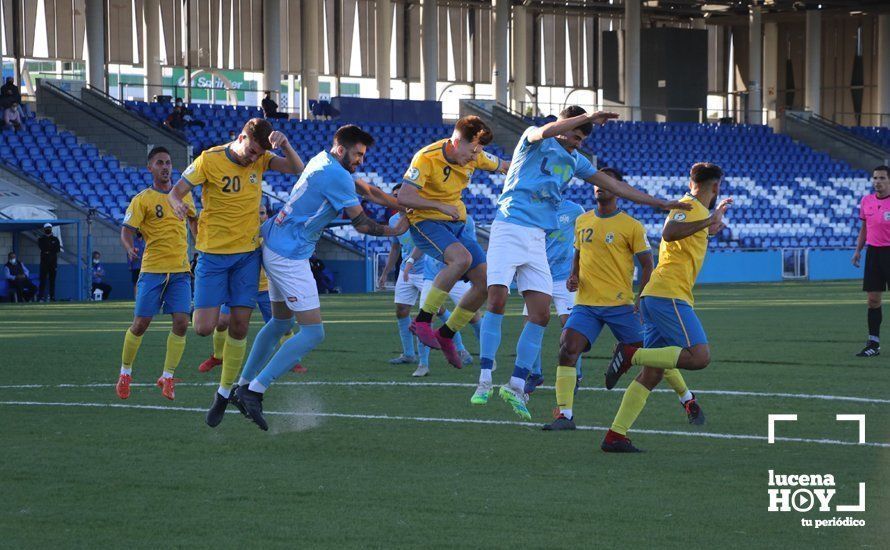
{"x": 673, "y": 337}
{"x": 607, "y": 240}
{"x": 545, "y": 159}
{"x": 228, "y": 268}
{"x": 324, "y": 191}
{"x": 432, "y": 188}
{"x": 874, "y": 212}
{"x": 164, "y": 281}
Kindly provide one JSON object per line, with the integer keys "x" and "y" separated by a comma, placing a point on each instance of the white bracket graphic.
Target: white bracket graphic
{"x": 772, "y": 419}
{"x": 854, "y": 418}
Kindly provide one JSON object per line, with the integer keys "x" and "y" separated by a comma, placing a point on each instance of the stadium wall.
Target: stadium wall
{"x": 766, "y": 266}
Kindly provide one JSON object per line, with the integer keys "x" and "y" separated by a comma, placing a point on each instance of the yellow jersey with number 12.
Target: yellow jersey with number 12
{"x": 439, "y": 180}
{"x": 607, "y": 245}
{"x": 680, "y": 261}
{"x": 166, "y": 243}
{"x": 231, "y": 195}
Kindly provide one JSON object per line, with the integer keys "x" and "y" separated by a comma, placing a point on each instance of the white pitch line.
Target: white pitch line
{"x": 707, "y": 435}
{"x": 736, "y": 393}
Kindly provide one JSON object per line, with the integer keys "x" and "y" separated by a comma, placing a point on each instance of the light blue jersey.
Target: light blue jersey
{"x": 533, "y": 188}
{"x": 324, "y": 189}
{"x": 432, "y": 267}
{"x": 561, "y": 242}
{"x": 406, "y": 243}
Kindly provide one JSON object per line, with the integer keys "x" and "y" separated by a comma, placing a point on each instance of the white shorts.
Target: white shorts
{"x": 563, "y": 300}
{"x": 407, "y": 292}
{"x": 457, "y": 291}
{"x": 520, "y": 252}
{"x": 290, "y": 281}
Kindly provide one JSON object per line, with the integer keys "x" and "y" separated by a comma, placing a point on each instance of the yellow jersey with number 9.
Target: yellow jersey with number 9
{"x": 439, "y": 180}
{"x": 231, "y": 195}
{"x": 166, "y": 244}
{"x": 680, "y": 261}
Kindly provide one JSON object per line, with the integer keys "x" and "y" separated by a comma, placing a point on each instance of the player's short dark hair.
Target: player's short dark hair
{"x": 881, "y": 168}
{"x": 575, "y": 110}
{"x": 614, "y": 172}
{"x": 472, "y": 128}
{"x": 704, "y": 172}
{"x": 349, "y": 135}
{"x": 259, "y": 130}
{"x": 396, "y": 187}
{"x": 157, "y": 151}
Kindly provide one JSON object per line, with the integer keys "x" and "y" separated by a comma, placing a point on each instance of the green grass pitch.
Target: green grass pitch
{"x": 352, "y": 461}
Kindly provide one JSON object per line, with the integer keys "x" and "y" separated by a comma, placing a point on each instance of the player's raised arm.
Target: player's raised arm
{"x": 175, "y": 198}
{"x": 674, "y": 229}
{"x": 410, "y": 198}
{"x": 365, "y": 225}
{"x": 564, "y": 125}
{"x": 376, "y": 195}
{"x": 630, "y": 193}
{"x": 290, "y": 163}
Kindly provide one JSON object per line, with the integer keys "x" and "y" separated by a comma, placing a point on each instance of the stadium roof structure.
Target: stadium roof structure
{"x": 713, "y": 9}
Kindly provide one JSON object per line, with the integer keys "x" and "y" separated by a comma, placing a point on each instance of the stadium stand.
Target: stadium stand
{"x": 878, "y": 135}
{"x": 787, "y": 195}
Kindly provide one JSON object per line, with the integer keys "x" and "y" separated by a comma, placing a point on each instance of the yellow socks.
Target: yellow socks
{"x": 219, "y": 341}
{"x": 128, "y": 355}
{"x": 675, "y": 381}
{"x": 459, "y": 318}
{"x": 631, "y": 406}
{"x": 233, "y": 356}
{"x": 434, "y": 301}
{"x": 659, "y": 358}
{"x": 286, "y": 337}
{"x": 175, "y": 347}
{"x": 565, "y": 389}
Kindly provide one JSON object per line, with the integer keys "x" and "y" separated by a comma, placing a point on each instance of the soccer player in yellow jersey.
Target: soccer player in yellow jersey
{"x": 432, "y": 188}
{"x": 164, "y": 280}
{"x": 673, "y": 337}
{"x": 607, "y": 240}
{"x": 228, "y": 268}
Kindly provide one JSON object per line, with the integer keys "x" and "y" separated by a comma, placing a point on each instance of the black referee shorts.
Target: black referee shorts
{"x": 877, "y": 269}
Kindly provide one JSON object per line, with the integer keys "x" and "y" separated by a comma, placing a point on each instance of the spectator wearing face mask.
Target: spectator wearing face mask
{"x": 50, "y": 246}
{"x": 18, "y": 279}
{"x": 99, "y": 277}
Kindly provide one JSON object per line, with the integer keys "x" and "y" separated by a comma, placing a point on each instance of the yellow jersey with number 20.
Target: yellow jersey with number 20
{"x": 680, "y": 261}
{"x": 231, "y": 195}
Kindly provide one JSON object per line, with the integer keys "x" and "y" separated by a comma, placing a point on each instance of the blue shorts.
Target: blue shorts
{"x": 173, "y": 291}
{"x": 669, "y": 322}
{"x": 621, "y": 320}
{"x": 230, "y": 279}
{"x": 432, "y": 237}
{"x": 262, "y": 302}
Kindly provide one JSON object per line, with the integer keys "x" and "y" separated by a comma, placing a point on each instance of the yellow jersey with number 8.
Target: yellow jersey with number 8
{"x": 166, "y": 243}
{"x": 231, "y": 195}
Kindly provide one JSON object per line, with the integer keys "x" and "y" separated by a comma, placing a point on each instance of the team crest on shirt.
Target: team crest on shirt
{"x": 253, "y": 178}
{"x": 412, "y": 174}
{"x": 887, "y": 216}
{"x": 679, "y": 216}
{"x": 610, "y": 238}
{"x": 564, "y": 219}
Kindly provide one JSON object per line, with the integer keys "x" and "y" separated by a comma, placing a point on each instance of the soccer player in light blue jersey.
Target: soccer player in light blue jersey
{"x": 545, "y": 159}
{"x": 560, "y": 254}
{"x": 409, "y": 286}
{"x": 325, "y": 189}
